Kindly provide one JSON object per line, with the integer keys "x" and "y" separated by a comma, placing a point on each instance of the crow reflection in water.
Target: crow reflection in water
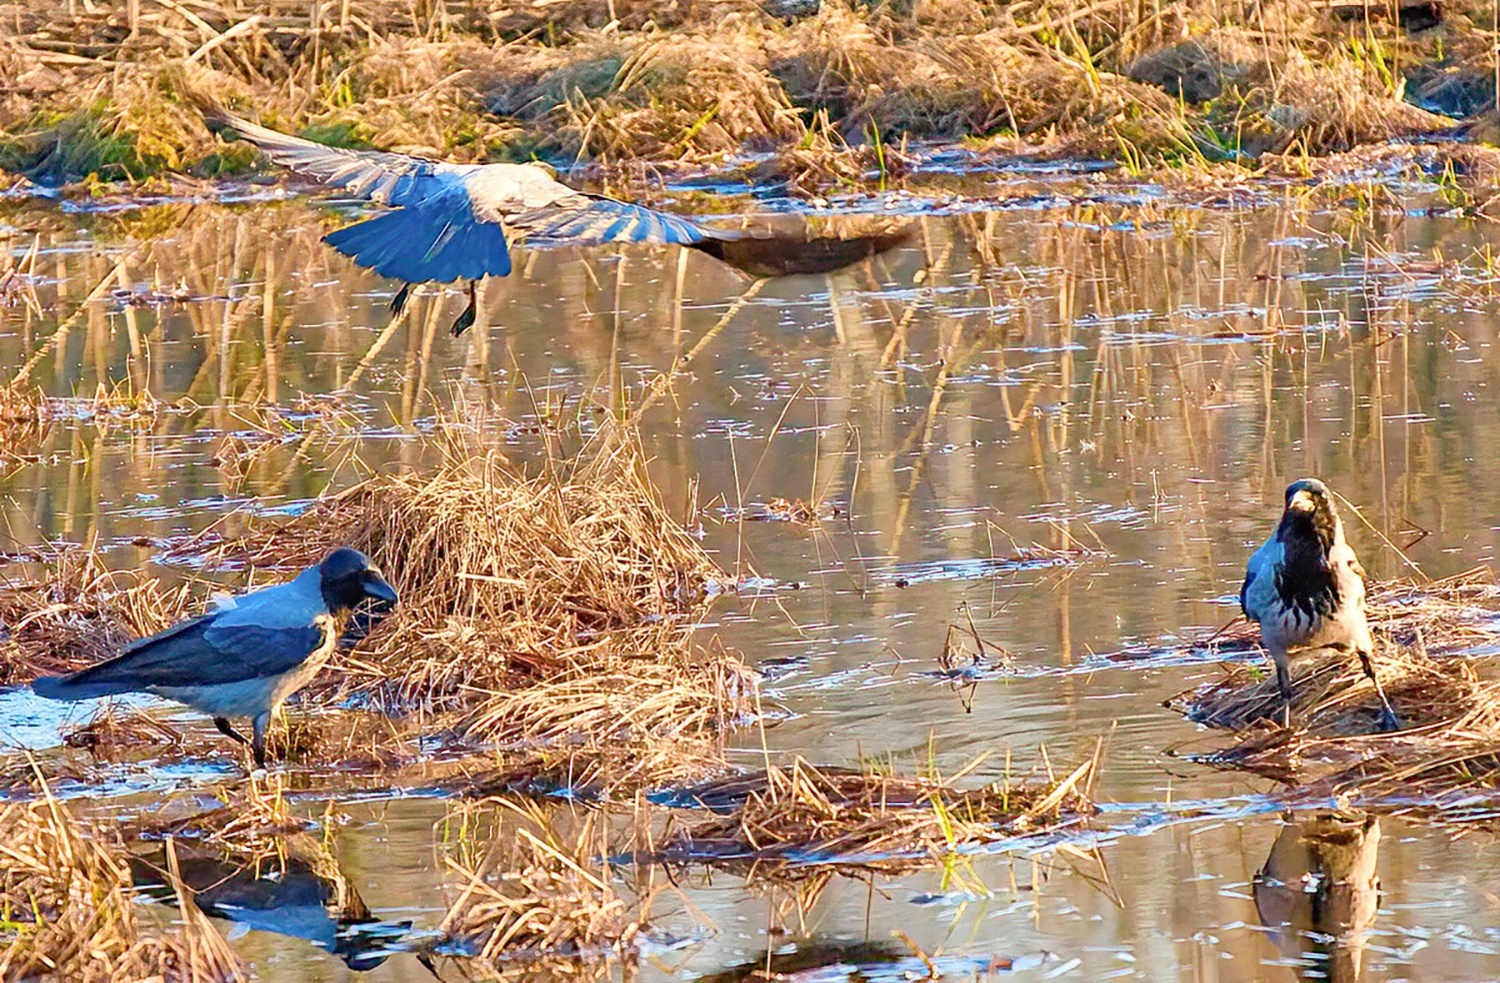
{"x": 297, "y": 891}
{"x": 448, "y": 222}
{"x": 1318, "y": 892}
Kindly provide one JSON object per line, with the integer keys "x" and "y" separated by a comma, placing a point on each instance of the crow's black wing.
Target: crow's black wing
{"x": 201, "y": 653}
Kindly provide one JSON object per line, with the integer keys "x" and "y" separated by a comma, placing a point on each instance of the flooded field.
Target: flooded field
{"x": 974, "y": 500}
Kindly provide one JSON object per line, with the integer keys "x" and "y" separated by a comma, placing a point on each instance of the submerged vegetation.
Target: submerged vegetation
{"x": 805, "y": 814}
{"x": 831, "y": 90}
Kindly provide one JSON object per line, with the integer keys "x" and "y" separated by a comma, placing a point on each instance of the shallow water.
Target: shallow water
{"x": 1066, "y": 410}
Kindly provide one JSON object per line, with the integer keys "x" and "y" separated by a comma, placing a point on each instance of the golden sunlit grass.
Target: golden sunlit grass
{"x": 863, "y": 819}
{"x": 106, "y": 88}
{"x": 538, "y": 893}
{"x": 78, "y": 613}
{"x": 1450, "y": 714}
{"x": 69, "y": 914}
{"x": 552, "y": 615}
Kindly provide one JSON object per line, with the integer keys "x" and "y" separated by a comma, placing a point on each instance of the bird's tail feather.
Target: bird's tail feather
{"x": 69, "y": 688}
{"x": 418, "y": 244}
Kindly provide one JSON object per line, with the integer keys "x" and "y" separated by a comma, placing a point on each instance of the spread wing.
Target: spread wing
{"x": 391, "y": 179}
{"x": 449, "y": 220}
{"x": 586, "y": 219}
{"x": 199, "y": 652}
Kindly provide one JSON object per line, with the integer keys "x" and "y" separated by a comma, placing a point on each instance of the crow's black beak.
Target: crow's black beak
{"x": 376, "y": 587}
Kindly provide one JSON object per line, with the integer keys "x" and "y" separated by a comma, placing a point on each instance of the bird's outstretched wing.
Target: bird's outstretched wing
{"x": 387, "y": 178}
{"x": 199, "y": 652}
{"x": 587, "y": 219}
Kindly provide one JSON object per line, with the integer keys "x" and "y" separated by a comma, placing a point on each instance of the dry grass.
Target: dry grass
{"x": 550, "y": 617}
{"x": 68, "y": 912}
{"x": 106, "y": 88}
{"x": 536, "y": 894}
{"x": 803, "y": 814}
{"x": 1449, "y": 740}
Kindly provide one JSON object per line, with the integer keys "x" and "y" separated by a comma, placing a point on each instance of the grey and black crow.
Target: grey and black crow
{"x": 448, "y": 221}
{"x": 244, "y": 658}
{"x": 1305, "y": 588}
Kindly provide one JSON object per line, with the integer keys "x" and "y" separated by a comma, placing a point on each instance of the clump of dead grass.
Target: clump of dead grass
{"x": 805, "y": 814}
{"x": 549, "y": 617}
{"x": 1449, "y": 739}
{"x": 68, "y": 912}
{"x": 553, "y": 613}
{"x": 537, "y": 894}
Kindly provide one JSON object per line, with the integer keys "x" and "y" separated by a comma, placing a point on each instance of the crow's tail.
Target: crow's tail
{"x": 66, "y": 688}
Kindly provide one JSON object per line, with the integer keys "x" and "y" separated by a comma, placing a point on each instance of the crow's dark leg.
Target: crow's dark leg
{"x": 399, "y": 301}
{"x": 227, "y": 729}
{"x": 261, "y": 723}
{"x": 1284, "y": 687}
{"x": 1388, "y": 718}
{"x": 466, "y": 319}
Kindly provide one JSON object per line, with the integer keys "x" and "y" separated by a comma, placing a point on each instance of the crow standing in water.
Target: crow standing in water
{"x": 1305, "y": 588}
{"x": 244, "y": 658}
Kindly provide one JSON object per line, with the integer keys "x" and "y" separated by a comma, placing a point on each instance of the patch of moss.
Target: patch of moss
{"x": 59, "y": 148}
{"x": 340, "y": 133}
{"x": 232, "y": 160}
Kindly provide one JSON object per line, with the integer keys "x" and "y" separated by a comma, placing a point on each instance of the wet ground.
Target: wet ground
{"x": 1066, "y": 410}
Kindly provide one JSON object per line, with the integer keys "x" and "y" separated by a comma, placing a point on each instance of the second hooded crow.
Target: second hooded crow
{"x": 244, "y": 658}
{"x": 1305, "y": 588}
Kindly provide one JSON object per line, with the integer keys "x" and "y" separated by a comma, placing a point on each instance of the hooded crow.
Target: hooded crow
{"x": 446, "y": 222}
{"x": 244, "y": 658}
{"x": 1305, "y": 588}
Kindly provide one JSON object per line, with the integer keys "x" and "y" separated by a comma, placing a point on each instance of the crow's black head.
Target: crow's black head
{"x": 346, "y": 578}
{"x": 1308, "y": 529}
{"x": 1310, "y": 513}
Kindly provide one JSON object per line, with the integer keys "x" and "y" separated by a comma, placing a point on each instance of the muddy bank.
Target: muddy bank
{"x": 828, "y": 93}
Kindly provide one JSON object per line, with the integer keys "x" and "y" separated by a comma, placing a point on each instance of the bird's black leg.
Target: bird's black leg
{"x": 1284, "y": 687}
{"x": 1388, "y": 718}
{"x": 466, "y": 319}
{"x": 227, "y": 729}
{"x": 399, "y": 301}
{"x": 260, "y": 725}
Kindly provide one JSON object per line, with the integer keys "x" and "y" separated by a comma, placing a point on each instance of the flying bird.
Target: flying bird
{"x": 1305, "y": 588}
{"x": 449, "y": 222}
{"x": 244, "y": 658}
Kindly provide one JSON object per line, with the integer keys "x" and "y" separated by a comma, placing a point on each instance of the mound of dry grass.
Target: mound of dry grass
{"x": 803, "y": 814}
{"x": 549, "y": 617}
{"x": 69, "y": 914}
{"x": 1449, "y": 739}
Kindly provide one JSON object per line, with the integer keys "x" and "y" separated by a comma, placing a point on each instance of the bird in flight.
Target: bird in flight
{"x": 448, "y": 222}
{"x": 1306, "y": 589}
{"x": 244, "y": 658}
